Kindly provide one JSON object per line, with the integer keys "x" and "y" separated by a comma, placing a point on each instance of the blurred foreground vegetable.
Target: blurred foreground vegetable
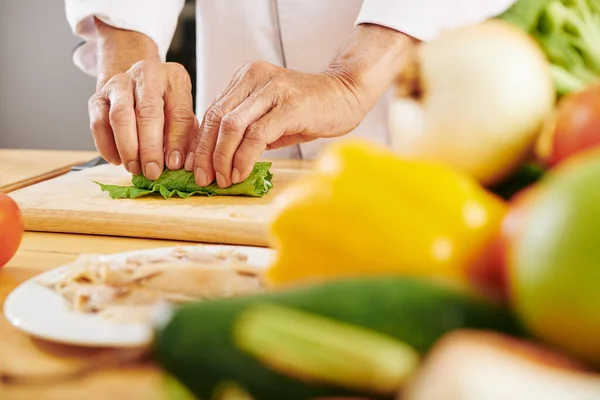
{"x": 364, "y": 211}
{"x": 553, "y": 257}
{"x": 477, "y": 365}
{"x": 573, "y": 128}
{"x": 325, "y": 351}
{"x": 484, "y": 92}
{"x": 278, "y": 353}
{"x": 11, "y": 228}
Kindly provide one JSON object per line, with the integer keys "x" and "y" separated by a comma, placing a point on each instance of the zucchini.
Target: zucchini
{"x": 197, "y": 344}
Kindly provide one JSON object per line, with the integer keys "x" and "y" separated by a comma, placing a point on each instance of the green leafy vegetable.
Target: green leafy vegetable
{"x": 569, "y": 33}
{"x": 182, "y": 184}
{"x": 525, "y": 13}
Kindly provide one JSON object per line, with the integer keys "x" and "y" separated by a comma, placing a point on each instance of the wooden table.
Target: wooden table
{"x": 22, "y": 355}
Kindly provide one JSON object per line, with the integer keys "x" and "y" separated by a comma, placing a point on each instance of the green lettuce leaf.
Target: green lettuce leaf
{"x": 181, "y": 183}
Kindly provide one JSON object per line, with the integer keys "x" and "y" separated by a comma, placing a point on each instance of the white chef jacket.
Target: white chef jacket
{"x": 299, "y": 34}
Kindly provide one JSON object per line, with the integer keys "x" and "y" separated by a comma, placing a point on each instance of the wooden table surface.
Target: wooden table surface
{"x": 21, "y": 355}
{"x": 20, "y": 168}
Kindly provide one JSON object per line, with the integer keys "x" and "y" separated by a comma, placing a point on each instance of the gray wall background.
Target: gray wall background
{"x": 43, "y": 96}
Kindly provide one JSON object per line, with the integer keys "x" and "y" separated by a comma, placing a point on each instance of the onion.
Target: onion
{"x": 478, "y": 365}
{"x": 486, "y": 91}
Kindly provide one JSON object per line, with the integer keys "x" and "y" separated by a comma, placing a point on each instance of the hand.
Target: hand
{"x": 144, "y": 118}
{"x": 267, "y": 107}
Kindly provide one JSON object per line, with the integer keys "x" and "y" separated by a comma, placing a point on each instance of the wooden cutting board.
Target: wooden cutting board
{"x": 73, "y": 203}
{"x": 20, "y": 168}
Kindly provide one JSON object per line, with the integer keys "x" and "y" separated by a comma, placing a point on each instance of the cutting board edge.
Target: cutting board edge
{"x": 246, "y": 235}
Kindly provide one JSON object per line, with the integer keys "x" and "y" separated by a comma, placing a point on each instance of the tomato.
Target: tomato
{"x": 553, "y": 259}
{"x": 11, "y": 228}
{"x": 491, "y": 274}
{"x": 574, "y": 128}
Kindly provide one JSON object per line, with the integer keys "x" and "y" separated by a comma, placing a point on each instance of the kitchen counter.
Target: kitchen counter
{"x": 22, "y": 355}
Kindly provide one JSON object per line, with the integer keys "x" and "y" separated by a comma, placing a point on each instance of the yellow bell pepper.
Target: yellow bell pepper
{"x": 363, "y": 210}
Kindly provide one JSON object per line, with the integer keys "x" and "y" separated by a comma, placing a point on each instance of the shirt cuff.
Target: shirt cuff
{"x": 426, "y": 19}
{"x": 156, "y": 19}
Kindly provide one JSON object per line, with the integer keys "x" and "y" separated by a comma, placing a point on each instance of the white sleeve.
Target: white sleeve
{"x": 157, "y": 19}
{"x": 426, "y": 19}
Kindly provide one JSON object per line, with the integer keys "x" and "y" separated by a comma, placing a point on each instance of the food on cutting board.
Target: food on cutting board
{"x": 568, "y": 31}
{"x": 245, "y": 340}
{"x": 553, "y": 258}
{"x": 478, "y": 365}
{"x": 364, "y": 211}
{"x": 486, "y": 91}
{"x": 573, "y": 128}
{"x": 181, "y": 183}
{"x": 12, "y": 227}
{"x": 126, "y": 291}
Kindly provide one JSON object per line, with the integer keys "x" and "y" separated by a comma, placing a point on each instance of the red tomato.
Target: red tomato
{"x": 491, "y": 274}
{"x": 576, "y": 125}
{"x": 11, "y": 228}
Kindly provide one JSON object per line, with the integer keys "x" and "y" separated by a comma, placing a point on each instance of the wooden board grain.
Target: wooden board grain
{"x": 20, "y": 168}
{"x": 73, "y": 203}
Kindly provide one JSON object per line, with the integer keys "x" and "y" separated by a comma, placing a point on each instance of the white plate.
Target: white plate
{"x": 45, "y": 314}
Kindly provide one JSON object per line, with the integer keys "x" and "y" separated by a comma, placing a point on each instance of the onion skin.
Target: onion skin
{"x": 479, "y": 365}
{"x": 486, "y": 92}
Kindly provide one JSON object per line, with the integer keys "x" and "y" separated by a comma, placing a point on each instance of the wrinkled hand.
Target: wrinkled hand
{"x": 267, "y": 107}
{"x": 144, "y": 118}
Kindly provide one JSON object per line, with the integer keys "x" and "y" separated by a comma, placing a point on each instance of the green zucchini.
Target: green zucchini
{"x": 197, "y": 343}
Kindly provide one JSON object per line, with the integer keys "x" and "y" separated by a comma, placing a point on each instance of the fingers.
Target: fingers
{"x": 209, "y": 131}
{"x": 190, "y": 159}
{"x": 289, "y": 140}
{"x": 119, "y": 91}
{"x": 231, "y": 132}
{"x": 150, "y": 119}
{"x": 98, "y": 109}
{"x": 258, "y": 136}
{"x": 180, "y": 117}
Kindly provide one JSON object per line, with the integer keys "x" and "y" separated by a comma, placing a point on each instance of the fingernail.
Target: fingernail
{"x": 152, "y": 171}
{"x": 221, "y": 180}
{"x": 175, "y": 160}
{"x": 200, "y": 177}
{"x": 134, "y": 167}
{"x": 189, "y": 161}
{"x": 235, "y": 176}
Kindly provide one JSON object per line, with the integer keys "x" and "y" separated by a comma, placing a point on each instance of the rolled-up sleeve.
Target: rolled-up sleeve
{"x": 156, "y": 19}
{"x": 426, "y": 19}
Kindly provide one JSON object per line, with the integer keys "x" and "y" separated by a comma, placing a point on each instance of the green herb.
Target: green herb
{"x": 568, "y": 31}
{"x": 182, "y": 184}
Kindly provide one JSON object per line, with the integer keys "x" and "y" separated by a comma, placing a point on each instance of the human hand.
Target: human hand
{"x": 267, "y": 107}
{"x": 144, "y": 118}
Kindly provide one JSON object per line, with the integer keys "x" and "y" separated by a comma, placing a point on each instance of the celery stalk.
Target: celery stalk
{"x": 568, "y": 31}
{"x": 320, "y": 350}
